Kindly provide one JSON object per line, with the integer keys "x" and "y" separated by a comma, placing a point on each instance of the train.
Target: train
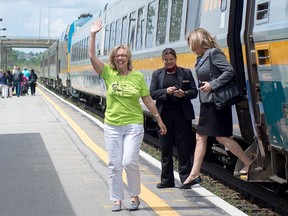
{"x": 252, "y": 34}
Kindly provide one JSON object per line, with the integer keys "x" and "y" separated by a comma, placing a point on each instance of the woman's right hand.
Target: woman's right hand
{"x": 205, "y": 87}
{"x": 170, "y": 90}
{"x": 96, "y": 26}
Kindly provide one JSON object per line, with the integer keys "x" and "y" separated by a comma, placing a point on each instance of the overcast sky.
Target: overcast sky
{"x": 30, "y": 18}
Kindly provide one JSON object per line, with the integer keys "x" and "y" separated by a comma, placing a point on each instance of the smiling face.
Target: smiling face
{"x": 121, "y": 60}
{"x": 169, "y": 61}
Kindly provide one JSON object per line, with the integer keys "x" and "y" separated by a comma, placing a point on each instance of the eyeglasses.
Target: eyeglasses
{"x": 121, "y": 55}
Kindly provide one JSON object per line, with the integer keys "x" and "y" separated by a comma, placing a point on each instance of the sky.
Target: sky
{"x": 30, "y": 18}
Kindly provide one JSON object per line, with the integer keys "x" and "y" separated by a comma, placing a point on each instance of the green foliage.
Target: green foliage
{"x": 21, "y": 59}
{"x": 85, "y": 15}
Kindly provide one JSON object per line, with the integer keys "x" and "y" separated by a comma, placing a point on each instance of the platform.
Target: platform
{"x": 54, "y": 162}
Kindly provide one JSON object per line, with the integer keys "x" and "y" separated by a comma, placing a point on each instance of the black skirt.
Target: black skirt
{"x": 214, "y": 122}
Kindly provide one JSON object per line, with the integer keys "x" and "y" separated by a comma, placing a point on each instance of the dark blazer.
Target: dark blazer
{"x": 186, "y": 82}
{"x": 223, "y": 72}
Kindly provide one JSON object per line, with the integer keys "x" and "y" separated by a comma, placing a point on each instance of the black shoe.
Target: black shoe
{"x": 188, "y": 185}
{"x": 163, "y": 185}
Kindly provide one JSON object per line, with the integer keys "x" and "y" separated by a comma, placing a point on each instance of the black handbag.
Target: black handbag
{"x": 228, "y": 94}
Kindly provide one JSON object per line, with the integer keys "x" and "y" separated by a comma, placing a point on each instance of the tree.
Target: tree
{"x": 85, "y": 15}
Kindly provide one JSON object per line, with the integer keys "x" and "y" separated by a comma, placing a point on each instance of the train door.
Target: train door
{"x": 266, "y": 49}
{"x": 270, "y": 38}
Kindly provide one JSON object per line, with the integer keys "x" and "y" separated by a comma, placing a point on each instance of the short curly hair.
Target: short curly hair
{"x": 113, "y": 53}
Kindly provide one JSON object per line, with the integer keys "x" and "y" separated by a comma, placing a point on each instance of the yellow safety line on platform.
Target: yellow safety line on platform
{"x": 159, "y": 206}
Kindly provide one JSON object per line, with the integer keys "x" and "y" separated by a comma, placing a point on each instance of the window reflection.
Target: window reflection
{"x": 151, "y": 23}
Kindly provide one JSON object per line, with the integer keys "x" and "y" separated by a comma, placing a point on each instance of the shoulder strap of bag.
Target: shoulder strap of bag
{"x": 211, "y": 65}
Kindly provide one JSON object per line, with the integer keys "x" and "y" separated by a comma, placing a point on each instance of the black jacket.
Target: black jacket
{"x": 186, "y": 82}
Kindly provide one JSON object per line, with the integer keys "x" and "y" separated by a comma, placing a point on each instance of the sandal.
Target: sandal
{"x": 116, "y": 207}
{"x": 134, "y": 205}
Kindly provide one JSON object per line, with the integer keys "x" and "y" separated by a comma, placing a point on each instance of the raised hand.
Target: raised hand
{"x": 96, "y": 26}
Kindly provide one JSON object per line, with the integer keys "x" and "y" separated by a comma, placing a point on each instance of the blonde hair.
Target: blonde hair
{"x": 200, "y": 37}
{"x": 113, "y": 54}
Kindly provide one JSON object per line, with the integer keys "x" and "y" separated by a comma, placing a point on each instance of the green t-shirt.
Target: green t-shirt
{"x": 122, "y": 97}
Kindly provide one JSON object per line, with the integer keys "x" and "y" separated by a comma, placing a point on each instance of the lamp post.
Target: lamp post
{"x": 1, "y": 51}
{"x": 1, "y": 48}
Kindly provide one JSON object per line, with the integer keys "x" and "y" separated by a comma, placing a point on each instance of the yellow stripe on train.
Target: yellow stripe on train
{"x": 274, "y": 51}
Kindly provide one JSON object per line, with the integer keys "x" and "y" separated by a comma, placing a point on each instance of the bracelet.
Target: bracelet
{"x": 157, "y": 115}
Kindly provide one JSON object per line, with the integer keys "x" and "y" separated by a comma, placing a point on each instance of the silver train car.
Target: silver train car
{"x": 252, "y": 34}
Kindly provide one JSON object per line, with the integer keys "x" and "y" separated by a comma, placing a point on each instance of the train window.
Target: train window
{"x": 162, "y": 22}
{"x": 223, "y": 5}
{"x": 80, "y": 50}
{"x": 124, "y": 30}
{"x": 151, "y": 23}
{"x": 118, "y": 32}
{"x": 52, "y": 60}
{"x": 86, "y": 47}
{"x": 193, "y": 14}
{"x": 132, "y": 27}
{"x": 140, "y": 29}
{"x": 71, "y": 53}
{"x": 262, "y": 13}
{"x": 176, "y": 20}
{"x": 75, "y": 51}
{"x": 106, "y": 43}
{"x": 264, "y": 58}
{"x": 112, "y": 35}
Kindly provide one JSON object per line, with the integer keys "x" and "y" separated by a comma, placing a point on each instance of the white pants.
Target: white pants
{"x": 4, "y": 91}
{"x": 123, "y": 145}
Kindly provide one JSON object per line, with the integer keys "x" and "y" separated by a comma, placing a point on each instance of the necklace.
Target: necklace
{"x": 170, "y": 72}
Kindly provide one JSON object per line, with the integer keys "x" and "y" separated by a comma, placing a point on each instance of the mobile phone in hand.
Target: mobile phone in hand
{"x": 200, "y": 85}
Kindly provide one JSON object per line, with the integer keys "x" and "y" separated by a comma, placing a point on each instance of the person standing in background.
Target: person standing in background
{"x": 3, "y": 84}
{"x": 17, "y": 79}
{"x": 173, "y": 88}
{"x": 26, "y": 72}
{"x": 212, "y": 122}
{"x": 10, "y": 83}
{"x": 123, "y": 123}
{"x": 32, "y": 80}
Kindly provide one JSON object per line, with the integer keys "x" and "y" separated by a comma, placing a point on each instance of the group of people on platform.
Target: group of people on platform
{"x": 17, "y": 81}
{"x": 173, "y": 88}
